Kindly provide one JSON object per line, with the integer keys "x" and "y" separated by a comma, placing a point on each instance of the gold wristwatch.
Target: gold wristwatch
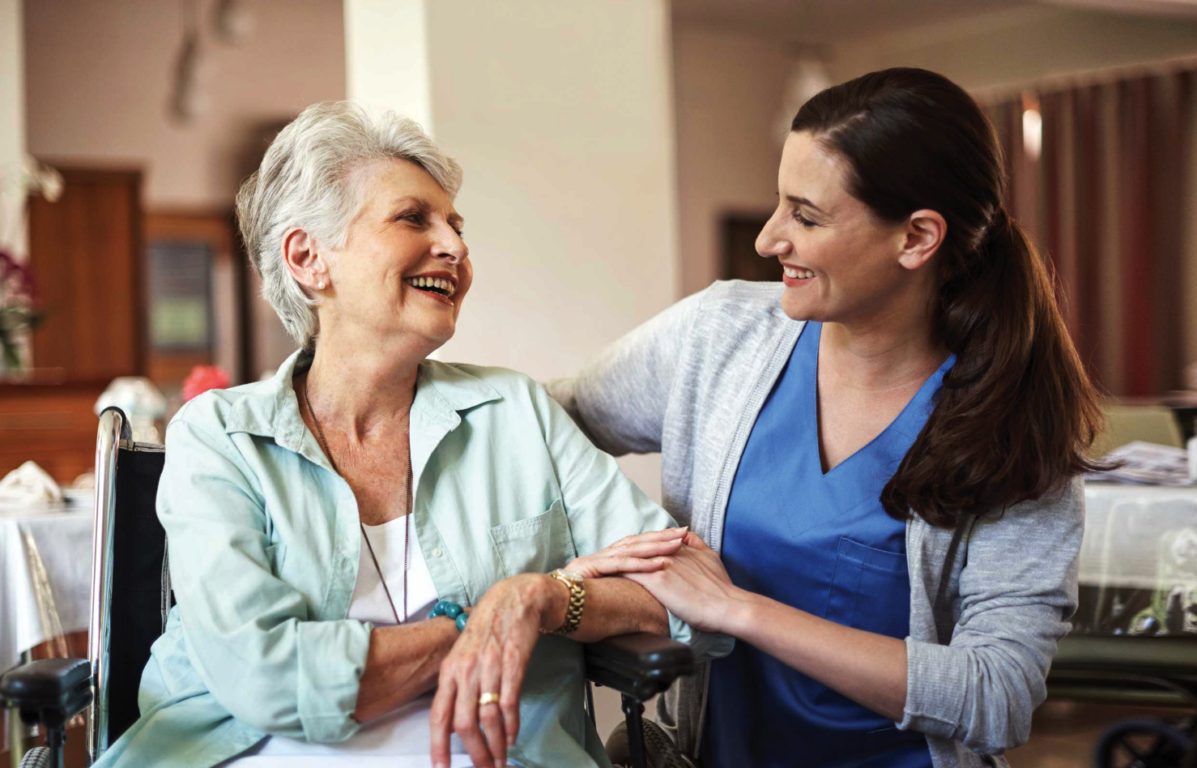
{"x": 577, "y": 600}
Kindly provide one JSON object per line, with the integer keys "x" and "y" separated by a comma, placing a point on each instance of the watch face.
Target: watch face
{"x": 569, "y": 574}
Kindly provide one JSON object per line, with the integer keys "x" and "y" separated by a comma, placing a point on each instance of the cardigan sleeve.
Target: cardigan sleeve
{"x": 1018, "y": 589}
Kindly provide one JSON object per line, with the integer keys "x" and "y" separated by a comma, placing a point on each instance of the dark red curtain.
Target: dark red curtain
{"x": 1109, "y": 201}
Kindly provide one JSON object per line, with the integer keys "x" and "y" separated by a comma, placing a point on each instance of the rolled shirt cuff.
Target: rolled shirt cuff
{"x": 332, "y": 658}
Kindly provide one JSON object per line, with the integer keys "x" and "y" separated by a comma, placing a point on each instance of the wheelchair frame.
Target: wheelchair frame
{"x": 113, "y": 431}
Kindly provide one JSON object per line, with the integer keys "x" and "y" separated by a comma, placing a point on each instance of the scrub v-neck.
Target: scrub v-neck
{"x": 811, "y": 405}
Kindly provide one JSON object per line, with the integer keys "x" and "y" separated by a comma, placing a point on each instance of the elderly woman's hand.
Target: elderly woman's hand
{"x": 641, "y": 553}
{"x": 491, "y": 657}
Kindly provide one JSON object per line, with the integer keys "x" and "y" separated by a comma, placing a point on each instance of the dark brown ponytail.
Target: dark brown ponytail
{"x": 1017, "y": 413}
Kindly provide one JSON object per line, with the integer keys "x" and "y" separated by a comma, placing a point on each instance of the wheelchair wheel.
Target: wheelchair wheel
{"x": 38, "y": 757}
{"x": 659, "y": 749}
{"x": 1142, "y": 744}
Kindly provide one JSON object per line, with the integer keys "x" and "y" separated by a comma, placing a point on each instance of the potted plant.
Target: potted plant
{"x": 20, "y": 311}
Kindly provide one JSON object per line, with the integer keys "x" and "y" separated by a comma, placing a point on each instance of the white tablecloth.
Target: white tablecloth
{"x": 1130, "y": 529}
{"x": 45, "y": 574}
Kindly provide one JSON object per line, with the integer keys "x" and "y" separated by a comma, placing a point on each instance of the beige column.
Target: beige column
{"x": 386, "y": 56}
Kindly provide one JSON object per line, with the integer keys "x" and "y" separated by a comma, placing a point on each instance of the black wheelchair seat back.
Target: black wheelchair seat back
{"x": 141, "y": 596}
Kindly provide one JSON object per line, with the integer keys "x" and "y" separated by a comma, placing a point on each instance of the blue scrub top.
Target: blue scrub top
{"x": 823, "y": 544}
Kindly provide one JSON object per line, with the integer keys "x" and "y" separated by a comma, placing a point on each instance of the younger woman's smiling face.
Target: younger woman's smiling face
{"x": 840, "y": 261}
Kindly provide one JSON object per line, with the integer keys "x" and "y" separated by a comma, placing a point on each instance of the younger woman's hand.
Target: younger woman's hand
{"x": 640, "y": 553}
{"x": 491, "y": 656}
{"x": 693, "y": 585}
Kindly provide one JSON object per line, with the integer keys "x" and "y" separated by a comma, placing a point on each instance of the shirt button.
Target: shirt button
{"x": 437, "y": 552}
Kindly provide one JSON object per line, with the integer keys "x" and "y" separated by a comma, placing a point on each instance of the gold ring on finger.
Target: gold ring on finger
{"x": 488, "y": 698}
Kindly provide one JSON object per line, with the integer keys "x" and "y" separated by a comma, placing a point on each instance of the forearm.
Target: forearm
{"x": 614, "y": 606}
{"x": 403, "y": 663}
{"x": 866, "y": 667}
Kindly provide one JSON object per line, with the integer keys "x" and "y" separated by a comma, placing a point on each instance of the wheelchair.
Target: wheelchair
{"x": 1100, "y": 662}
{"x": 131, "y": 597}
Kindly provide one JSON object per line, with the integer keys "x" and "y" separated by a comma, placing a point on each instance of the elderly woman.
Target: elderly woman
{"x": 314, "y": 519}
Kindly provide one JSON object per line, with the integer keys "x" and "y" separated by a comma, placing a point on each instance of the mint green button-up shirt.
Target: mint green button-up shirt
{"x": 263, "y": 543}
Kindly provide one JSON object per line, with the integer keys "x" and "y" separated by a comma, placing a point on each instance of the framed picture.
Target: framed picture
{"x": 194, "y": 286}
{"x": 180, "y": 296}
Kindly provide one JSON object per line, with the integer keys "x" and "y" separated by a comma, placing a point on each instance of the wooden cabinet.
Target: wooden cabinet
{"x": 85, "y": 252}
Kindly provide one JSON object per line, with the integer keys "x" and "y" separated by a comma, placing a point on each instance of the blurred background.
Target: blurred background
{"x": 618, "y": 155}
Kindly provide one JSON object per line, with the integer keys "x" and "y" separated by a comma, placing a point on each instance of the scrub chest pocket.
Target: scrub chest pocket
{"x": 534, "y": 545}
{"x": 866, "y": 587}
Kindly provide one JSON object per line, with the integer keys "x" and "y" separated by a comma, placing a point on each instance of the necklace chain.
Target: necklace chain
{"x": 406, "y": 517}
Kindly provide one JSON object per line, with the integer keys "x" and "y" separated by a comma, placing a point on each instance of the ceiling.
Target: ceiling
{"x": 816, "y": 22}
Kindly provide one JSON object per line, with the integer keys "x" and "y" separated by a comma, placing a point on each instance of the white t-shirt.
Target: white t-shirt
{"x": 402, "y": 738}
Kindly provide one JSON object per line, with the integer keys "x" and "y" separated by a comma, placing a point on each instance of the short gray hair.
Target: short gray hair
{"x": 305, "y": 180}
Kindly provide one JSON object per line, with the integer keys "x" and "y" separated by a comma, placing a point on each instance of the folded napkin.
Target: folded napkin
{"x": 29, "y": 484}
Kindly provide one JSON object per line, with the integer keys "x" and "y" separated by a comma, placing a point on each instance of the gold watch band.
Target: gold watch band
{"x": 577, "y": 603}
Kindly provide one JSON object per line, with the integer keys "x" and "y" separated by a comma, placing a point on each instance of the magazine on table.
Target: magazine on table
{"x": 1147, "y": 464}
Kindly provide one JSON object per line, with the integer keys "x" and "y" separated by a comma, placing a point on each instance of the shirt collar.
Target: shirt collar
{"x": 270, "y": 408}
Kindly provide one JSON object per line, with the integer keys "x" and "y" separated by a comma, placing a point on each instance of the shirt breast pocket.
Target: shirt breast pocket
{"x": 536, "y": 544}
{"x": 870, "y": 590}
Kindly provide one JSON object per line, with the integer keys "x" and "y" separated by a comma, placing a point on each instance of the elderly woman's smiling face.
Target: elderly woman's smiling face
{"x": 404, "y": 269}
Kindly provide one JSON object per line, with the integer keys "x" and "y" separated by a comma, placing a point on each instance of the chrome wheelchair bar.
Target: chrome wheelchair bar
{"x": 113, "y": 428}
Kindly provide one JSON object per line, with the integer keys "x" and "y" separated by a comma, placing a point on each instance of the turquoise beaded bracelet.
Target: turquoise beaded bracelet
{"x": 453, "y": 611}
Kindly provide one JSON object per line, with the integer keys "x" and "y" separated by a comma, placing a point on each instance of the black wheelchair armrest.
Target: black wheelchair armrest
{"x": 640, "y": 665}
{"x": 51, "y": 691}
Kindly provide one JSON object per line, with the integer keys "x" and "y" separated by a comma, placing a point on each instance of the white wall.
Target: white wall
{"x": 562, "y": 118}
{"x": 561, "y": 115}
{"x": 386, "y": 57}
{"x": 12, "y": 120}
{"x": 728, "y": 90}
